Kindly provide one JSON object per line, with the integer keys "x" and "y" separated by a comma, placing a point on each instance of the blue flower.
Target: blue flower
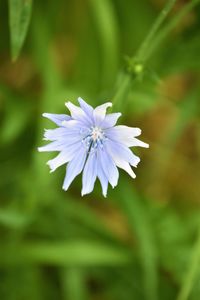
{"x": 89, "y": 141}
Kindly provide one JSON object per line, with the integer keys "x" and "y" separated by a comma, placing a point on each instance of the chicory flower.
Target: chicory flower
{"x": 89, "y": 141}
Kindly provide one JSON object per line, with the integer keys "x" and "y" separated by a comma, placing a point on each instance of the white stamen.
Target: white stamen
{"x": 94, "y": 138}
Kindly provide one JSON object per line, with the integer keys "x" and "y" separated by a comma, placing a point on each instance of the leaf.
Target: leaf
{"x": 192, "y": 274}
{"x": 78, "y": 252}
{"x": 73, "y": 283}
{"x": 17, "y": 113}
{"x": 140, "y": 222}
{"x": 19, "y": 18}
{"x": 107, "y": 32}
{"x": 13, "y": 219}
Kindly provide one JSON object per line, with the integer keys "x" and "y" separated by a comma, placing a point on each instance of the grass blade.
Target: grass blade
{"x": 19, "y": 18}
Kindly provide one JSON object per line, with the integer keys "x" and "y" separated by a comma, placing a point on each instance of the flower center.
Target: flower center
{"x": 96, "y": 133}
{"x": 94, "y": 139}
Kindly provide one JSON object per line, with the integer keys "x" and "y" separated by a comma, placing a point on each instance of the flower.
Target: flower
{"x": 89, "y": 141}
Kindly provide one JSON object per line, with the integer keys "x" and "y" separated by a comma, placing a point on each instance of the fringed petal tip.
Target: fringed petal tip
{"x": 138, "y": 131}
{"x": 137, "y": 161}
{"x": 85, "y": 192}
{"x": 67, "y": 103}
{"x": 82, "y": 102}
{"x": 64, "y": 188}
{"x": 144, "y": 145}
{"x": 52, "y": 168}
{"x": 133, "y": 175}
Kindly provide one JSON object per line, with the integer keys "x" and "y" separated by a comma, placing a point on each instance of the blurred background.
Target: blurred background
{"x": 143, "y": 241}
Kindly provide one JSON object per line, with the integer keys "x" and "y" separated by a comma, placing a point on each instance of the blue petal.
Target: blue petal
{"x": 77, "y": 113}
{"x": 72, "y": 124}
{"x": 62, "y": 133}
{"x": 122, "y": 164}
{"x": 125, "y": 135}
{"x": 102, "y": 178}
{"x": 100, "y": 112}
{"x": 137, "y": 143}
{"x": 110, "y": 120}
{"x": 64, "y": 156}
{"x": 121, "y": 158}
{"x": 108, "y": 167}
{"x": 88, "y": 109}
{"x": 74, "y": 167}
{"x": 54, "y": 146}
{"x": 59, "y": 142}
{"x": 57, "y": 118}
{"x": 89, "y": 174}
{"x": 119, "y": 151}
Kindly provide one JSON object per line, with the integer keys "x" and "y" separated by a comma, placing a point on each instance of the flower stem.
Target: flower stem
{"x": 122, "y": 91}
{"x": 141, "y": 54}
{"x": 169, "y": 26}
{"x": 149, "y": 46}
{"x": 192, "y": 272}
{"x": 126, "y": 79}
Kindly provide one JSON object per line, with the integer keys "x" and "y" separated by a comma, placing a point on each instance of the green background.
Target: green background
{"x": 143, "y": 241}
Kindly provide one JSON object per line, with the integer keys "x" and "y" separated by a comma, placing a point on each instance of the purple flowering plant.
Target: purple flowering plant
{"x": 90, "y": 141}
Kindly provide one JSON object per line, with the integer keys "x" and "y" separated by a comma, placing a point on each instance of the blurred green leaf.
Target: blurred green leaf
{"x": 13, "y": 219}
{"x": 71, "y": 253}
{"x": 192, "y": 274}
{"x": 182, "y": 54}
{"x": 19, "y": 18}
{"x": 73, "y": 283}
{"x": 141, "y": 225}
{"x": 17, "y": 115}
{"x": 108, "y": 37}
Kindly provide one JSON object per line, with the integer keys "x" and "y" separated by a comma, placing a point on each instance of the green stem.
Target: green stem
{"x": 169, "y": 26}
{"x": 149, "y": 45}
{"x": 123, "y": 89}
{"x": 191, "y": 274}
{"x": 141, "y": 54}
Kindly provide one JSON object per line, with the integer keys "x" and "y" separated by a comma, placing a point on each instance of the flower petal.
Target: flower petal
{"x": 108, "y": 167}
{"x": 137, "y": 143}
{"x": 54, "y": 146}
{"x": 110, "y": 120}
{"x": 120, "y": 152}
{"x": 102, "y": 178}
{"x": 121, "y": 162}
{"x": 61, "y": 133}
{"x": 56, "y": 118}
{"x": 125, "y": 135}
{"x": 123, "y": 131}
{"x": 89, "y": 174}
{"x": 88, "y": 109}
{"x": 74, "y": 167}
{"x": 64, "y": 156}
{"x": 77, "y": 113}
{"x": 100, "y": 112}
